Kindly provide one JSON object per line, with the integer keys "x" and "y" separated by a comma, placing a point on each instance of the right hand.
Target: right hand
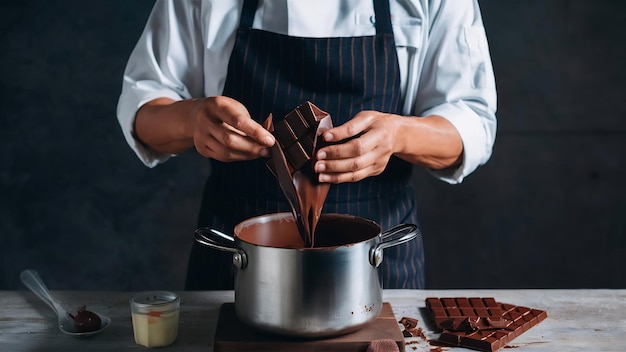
{"x": 223, "y": 130}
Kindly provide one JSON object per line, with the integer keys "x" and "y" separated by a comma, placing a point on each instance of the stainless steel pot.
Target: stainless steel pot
{"x": 328, "y": 290}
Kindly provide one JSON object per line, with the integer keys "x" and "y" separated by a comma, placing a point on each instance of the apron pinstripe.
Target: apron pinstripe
{"x": 273, "y": 73}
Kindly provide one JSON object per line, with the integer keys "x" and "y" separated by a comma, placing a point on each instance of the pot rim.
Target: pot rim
{"x": 287, "y": 216}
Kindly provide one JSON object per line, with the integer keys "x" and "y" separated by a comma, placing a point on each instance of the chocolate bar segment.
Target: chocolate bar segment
{"x": 518, "y": 320}
{"x": 297, "y": 134}
{"x": 523, "y": 318}
{"x": 493, "y": 340}
{"x": 466, "y": 314}
{"x": 480, "y": 340}
{"x": 284, "y": 135}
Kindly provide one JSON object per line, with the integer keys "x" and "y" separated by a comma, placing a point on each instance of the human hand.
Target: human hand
{"x": 372, "y": 139}
{"x": 223, "y": 130}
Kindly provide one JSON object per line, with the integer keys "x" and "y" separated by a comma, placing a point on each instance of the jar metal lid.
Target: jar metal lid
{"x": 155, "y": 301}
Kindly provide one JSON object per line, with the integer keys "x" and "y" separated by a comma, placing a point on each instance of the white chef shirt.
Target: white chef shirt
{"x": 444, "y": 60}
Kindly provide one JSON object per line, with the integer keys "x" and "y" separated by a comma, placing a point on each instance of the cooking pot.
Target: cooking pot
{"x": 330, "y": 289}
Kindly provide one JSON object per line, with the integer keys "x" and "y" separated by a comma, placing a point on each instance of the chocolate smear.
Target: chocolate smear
{"x": 298, "y": 137}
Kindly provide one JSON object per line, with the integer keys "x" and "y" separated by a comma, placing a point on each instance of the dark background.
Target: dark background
{"x": 547, "y": 211}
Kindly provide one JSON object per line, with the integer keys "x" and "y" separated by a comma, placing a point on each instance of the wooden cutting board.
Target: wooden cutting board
{"x": 233, "y": 335}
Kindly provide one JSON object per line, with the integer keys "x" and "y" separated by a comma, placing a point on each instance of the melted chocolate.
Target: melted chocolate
{"x": 332, "y": 230}
{"x": 85, "y": 321}
{"x": 312, "y": 195}
{"x": 292, "y": 163}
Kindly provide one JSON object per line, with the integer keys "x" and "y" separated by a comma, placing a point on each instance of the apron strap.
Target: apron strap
{"x": 381, "y": 10}
{"x": 247, "y": 13}
{"x": 383, "y": 17}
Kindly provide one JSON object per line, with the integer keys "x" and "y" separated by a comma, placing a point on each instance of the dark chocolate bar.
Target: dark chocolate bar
{"x": 517, "y": 320}
{"x": 297, "y": 133}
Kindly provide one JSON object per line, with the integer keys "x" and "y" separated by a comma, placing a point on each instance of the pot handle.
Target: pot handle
{"x": 390, "y": 238}
{"x": 205, "y": 236}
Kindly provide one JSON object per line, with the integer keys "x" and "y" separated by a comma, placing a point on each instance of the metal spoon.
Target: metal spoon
{"x": 33, "y": 281}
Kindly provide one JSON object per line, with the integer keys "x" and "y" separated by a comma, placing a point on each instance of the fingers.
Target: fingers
{"x": 357, "y": 125}
{"x": 351, "y": 161}
{"x": 226, "y": 132}
{"x": 225, "y": 144}
{"x": 235, "y": 115}
{"x": 362, "y": 148}
{"x": 339, "y": 171}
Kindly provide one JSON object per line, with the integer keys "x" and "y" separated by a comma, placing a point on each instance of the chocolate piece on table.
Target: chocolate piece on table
{"x": 520, "y": 319}
{"x": 466, "y": 314}
{"x": 480, "y": 340}
{"x": 408, "y": 323}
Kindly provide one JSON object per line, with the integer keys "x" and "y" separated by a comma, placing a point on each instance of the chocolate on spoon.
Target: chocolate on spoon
{"x": 85, "y": 321}
{"x": 82, "y": 324}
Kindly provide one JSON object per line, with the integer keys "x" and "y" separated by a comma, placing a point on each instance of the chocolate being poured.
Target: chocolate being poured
{"x": 292, "y": 163}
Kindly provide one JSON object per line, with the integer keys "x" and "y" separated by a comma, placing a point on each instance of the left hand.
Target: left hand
{"x": 364, "y": 156}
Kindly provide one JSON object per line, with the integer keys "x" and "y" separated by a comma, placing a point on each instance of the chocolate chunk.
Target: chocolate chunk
{"x": 482, "y": 331}
{"x": 297, "y": 134}
{"x": 296, "y": 155}
{"x": 408, "y": 323}
{"x": 481, "y": 340}
{"x": 284, "y": 135}
{"x": 466, "y": 314}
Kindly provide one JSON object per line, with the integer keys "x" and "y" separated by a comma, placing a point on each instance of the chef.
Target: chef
{"x": 412, "y": 80}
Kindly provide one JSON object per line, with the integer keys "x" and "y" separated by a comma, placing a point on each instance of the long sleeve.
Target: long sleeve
{"x": 166, "y": 62}
{"x": 442, "y": 50}
{"x": 457, "y": 81}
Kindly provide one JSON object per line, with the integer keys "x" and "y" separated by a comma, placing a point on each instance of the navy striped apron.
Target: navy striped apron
{"x": 274, "y": 73}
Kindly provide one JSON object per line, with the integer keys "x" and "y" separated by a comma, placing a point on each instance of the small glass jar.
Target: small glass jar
{"x": 155, "y": 318}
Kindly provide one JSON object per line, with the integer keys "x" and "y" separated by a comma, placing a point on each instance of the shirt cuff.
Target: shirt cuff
{"x": 129, "y": 103}
{"x": 476, "y": 145}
